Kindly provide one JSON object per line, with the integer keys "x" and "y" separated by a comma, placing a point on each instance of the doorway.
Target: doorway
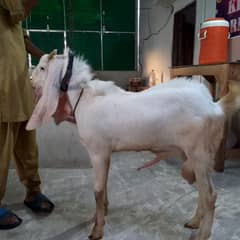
{"x": 183, "y": 36}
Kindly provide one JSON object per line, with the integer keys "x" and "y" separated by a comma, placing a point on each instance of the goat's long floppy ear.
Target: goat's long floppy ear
{"x": 48, "y": 102}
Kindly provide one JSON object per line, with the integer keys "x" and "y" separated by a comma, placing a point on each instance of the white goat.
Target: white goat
{"x": 179, "y": 114}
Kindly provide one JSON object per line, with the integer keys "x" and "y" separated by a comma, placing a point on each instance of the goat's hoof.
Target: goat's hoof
{"x": 192, "y": 225}
{"x": 96, "y": 234}
{"x": 90, "y": 237}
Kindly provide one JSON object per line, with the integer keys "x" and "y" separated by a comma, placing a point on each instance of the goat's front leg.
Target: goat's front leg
{"x": 106, "y": 203}
{"x": 100, "y": 165}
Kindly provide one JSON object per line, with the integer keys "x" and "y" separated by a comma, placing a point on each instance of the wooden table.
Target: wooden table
{"x": 219, "y": 76}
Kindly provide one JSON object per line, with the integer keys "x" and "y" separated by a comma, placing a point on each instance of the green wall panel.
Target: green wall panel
{"x": 84, "y": 30}
{"x": 83, "y": 15}
{"x": 88, "y": 45}
{"x": 47, "y": 41}
{"x": 119, "y": 52}
{"x": 47, "y": 15}
{"x": 119, "y": 15}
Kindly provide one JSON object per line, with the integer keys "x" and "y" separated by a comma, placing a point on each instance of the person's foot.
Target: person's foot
{"x": 39, "y": 203}
{"x": 8, "y": 219}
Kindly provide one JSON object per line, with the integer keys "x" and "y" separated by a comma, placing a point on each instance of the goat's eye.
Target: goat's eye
{"x": 42, "y": 68}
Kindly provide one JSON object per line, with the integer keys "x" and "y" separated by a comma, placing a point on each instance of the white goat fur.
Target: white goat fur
{"x": 179, "y": 114}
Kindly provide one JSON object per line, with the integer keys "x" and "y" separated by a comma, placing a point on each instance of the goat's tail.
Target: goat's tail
{"x": 230, "y": 103}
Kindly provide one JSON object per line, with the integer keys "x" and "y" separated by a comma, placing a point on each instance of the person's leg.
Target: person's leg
{"x": 26, "y": 158}
{"x": 7, "y": 135}
{"x": 6, "y": 143}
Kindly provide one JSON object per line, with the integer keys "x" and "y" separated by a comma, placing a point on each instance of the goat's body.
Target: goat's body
{"x": 149, "y": 120}
{"x": 179, "y": 114}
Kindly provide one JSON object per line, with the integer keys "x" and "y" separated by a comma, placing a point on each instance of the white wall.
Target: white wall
{"x": 60, "y": 147}
{"x": 157, "y": 51}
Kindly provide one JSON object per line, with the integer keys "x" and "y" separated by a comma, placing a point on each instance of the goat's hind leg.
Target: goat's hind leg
{"x": 207, "y": 197}
{"x": 189, "y": 175}
{"x": 194, "y": 223}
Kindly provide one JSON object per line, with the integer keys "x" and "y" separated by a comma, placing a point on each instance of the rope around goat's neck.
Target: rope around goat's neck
{"x": 78, "y": 100}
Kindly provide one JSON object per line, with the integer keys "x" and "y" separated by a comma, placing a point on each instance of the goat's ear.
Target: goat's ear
{"x": 47, "y": 104}
{"x": 52, "y": 54}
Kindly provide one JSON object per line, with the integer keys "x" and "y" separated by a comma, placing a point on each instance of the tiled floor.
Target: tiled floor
{"x": 152, "y": 204}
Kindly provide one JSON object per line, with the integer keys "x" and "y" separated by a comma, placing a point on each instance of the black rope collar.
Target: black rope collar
{"x": 66, "y": 79}
{"x": 76, "y": 104}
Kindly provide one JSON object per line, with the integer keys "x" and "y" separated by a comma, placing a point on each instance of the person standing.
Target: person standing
{"x": 16, "y": 106}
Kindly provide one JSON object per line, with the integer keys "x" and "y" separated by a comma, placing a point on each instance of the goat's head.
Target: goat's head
{"x": 46, "y": 82}
{"x": 40, "y": 72}
{"x": 46, "y": 79}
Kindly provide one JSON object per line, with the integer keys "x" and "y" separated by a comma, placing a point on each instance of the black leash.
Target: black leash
{"x": 68, "y": 74}
{"x": 75, "y": 107}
